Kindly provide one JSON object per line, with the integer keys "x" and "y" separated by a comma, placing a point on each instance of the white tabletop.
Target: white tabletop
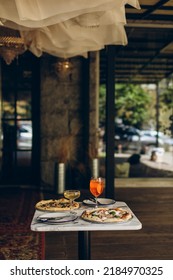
{"x": 81, "y": 225}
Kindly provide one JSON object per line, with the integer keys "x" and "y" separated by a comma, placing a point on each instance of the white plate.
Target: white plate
{"x": 56, "y": 218}
{"x": 101, "y": 201}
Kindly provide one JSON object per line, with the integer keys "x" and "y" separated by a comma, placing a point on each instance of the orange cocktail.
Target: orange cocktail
{"x": 96, "y": 187}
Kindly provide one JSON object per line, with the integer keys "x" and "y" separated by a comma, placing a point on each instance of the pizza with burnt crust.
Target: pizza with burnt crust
{"x": 107, "y": 215}
{"x": 52, "y": 205}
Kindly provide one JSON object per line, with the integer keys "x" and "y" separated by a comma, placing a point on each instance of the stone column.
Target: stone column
{"x": 61, "y": 113}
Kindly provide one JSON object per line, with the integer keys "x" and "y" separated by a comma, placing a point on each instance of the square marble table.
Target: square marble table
{"x": 84, "y": 228}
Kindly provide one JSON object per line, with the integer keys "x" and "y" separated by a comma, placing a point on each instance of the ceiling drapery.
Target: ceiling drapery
{"x": 67, "y": 28}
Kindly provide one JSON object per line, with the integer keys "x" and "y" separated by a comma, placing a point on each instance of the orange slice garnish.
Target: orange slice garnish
{"x": 99, "y": 189}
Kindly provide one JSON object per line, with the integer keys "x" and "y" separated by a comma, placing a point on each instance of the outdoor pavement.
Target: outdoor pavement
{"x": 162, "y": 167}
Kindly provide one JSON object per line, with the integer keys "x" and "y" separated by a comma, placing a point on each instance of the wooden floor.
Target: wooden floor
{"x": 154, "y": 208}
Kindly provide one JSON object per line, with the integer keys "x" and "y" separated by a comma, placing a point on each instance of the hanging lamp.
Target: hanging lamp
{"x": 11, "y": 44}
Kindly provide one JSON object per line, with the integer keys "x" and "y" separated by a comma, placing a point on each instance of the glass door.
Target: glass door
{"x": 19, "y": 95}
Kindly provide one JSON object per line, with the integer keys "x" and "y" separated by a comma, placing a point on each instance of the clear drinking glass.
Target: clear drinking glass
{"x": 71, "y": 195}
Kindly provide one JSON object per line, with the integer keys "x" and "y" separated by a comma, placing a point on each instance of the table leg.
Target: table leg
{"x": 84, "y": 245}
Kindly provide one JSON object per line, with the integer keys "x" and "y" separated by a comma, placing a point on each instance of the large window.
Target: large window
{"x": 142, "y": 135}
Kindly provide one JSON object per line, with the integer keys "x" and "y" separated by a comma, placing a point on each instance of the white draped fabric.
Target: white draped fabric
{"x": 67, "y": 28}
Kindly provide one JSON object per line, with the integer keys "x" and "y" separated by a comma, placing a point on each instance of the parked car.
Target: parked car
{"x": 129, "y": 137}
{"x": 128, "y": 133}
{"x": 149, "y": 138}
{"x": 25, "y": 136}
{"x": 126, "y": 137}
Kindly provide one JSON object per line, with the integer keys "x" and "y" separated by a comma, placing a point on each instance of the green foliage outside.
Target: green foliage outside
{"x": 166, "y": 99}
{"x": 132, "y": 104}
{"x": 166, "y": 107}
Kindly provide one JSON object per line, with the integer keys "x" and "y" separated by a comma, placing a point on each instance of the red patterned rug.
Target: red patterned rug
{"x": 17, "y": 241}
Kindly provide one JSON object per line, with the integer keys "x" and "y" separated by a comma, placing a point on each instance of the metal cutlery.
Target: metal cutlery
{"x": 93, "y": 200}
{"x": 44, "y": 219}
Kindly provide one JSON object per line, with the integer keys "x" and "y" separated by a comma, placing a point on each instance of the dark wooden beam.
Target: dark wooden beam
{"x": 154, "y": 8}
{"x": 110, "y": 116}
{"x": 157, "y": 113}
{"x": 85, "y": 97}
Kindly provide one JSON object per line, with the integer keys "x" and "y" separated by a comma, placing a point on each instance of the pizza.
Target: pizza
{"x": 56, "y": 205}
{"x": 107, "y": 215}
